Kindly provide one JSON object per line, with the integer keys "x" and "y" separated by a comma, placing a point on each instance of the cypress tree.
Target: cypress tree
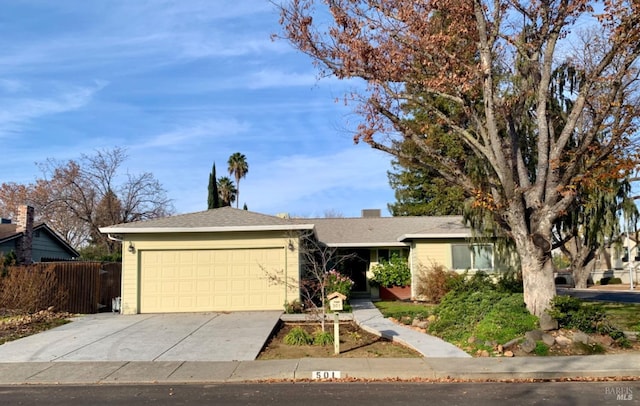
{"x": 213, "y": 199}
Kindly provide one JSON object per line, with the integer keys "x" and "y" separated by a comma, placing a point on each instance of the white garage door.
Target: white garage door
{"x": 210, "y": 280}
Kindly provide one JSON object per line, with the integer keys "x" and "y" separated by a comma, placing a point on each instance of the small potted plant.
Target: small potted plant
{"x": 394, "y": 278}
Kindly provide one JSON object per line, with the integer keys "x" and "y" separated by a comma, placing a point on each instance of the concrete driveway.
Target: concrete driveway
{"x": 237, "y": 336}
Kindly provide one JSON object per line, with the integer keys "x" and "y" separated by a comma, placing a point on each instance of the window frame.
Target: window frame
{"x": 474, "y": 250}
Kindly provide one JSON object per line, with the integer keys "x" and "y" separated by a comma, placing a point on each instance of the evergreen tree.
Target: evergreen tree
{"x": 213, "y": 200}
{"x": 421, "y": 191}
{"x": 238, "y": 167}
{"x": 227, "y": 191}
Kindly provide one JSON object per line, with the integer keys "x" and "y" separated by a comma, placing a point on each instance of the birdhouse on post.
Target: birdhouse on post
{"x": 336, "y": 301}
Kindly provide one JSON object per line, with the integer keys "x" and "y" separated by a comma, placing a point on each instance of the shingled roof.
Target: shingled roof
{"x": 385, "y": 231}
{"x": 215, "y": 220}
{"x": 9, "y": 231}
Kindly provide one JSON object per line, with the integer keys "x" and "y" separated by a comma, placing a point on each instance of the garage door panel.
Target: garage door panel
{"x": 210, "y": 280}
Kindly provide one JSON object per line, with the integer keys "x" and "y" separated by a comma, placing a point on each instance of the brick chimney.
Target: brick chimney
{"x": 24, "y": 225}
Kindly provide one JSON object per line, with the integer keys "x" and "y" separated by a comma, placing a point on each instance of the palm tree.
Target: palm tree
{"x": 227, "y": 191}
{"x": 238, "y": 167}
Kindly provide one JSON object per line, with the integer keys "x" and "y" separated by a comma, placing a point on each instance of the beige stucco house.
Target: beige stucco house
{"x": 228, "y": 259}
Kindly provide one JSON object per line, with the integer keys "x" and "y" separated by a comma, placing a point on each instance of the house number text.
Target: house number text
{"x": 325, "y": 375}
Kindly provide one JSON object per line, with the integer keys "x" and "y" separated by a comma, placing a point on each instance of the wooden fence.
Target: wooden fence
{"x": 90, "y": 286}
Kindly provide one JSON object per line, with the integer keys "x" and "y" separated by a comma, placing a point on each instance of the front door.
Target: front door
{"x": 355, "y": 267}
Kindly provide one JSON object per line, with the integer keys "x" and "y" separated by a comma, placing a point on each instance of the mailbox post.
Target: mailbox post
{"x": 336, "y": 300}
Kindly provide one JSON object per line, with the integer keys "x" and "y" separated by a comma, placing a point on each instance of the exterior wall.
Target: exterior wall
{"x": 623, "y": 274}
{"x": 45, "y": 245}
{"x": 176, "y": 241}
{"x": 425, "y": 253}
{"x": 8, "y": 246}
{"x": 611, "y": 262}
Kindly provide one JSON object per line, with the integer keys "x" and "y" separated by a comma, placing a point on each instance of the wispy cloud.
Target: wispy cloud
{"x": 18, "y": 112}
{"x": 267, "y": 78}
{"x": 188, "y": 134}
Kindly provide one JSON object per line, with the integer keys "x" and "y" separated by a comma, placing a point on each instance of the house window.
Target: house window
{"x": 475, "y": 256}
{"x": 385, "y": 254}
{"x": 625, "y": 254}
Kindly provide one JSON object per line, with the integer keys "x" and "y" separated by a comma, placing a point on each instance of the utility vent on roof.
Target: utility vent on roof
{"x": 367, "y": 213}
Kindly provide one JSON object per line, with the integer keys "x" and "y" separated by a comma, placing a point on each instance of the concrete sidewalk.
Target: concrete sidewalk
{"x": 81, "y": 373}
{"x": 369, "y": 318}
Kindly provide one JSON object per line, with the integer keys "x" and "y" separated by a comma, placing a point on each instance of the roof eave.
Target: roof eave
{"x": 365, "y": 244}
{"x": 431, "y": 236}
{"x": 157, "y": 230}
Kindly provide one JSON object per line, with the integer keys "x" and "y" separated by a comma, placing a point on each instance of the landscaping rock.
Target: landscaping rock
{"x": 548, "y": 339}
{"x": 580, "y": 337}
{"x": 605, "y": 340}
{"x": 533, "y": 335}
{"x": 563, "y": 341}
{"x": 528, "y": 345}
{"x": 511, "y": 343}
{"x": 508, "y": 354}
{"x": 471, "y": 340}
{"x": 420, "y": 324}
{"x": 548, "y": 323}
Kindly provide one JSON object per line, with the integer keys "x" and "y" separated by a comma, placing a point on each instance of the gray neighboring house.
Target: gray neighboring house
{"x": 32, "y": 242}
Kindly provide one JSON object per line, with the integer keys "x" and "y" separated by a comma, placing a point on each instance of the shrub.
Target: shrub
{"x": 435, "y": 282}
{"x": 563, "y": 308}
{"x": 510, "y": 281}
{"x": 337, "y": 282}
{"x": 479, "y": 281}
{"x": 293, "y": 307}
{"x": 485, "y": 313}
{"x": 29, "y": 289}
{"x": 298, "y": 336}
{"x": 322, "y": 338}
{"x": 610, "y": 281}
{"x": 394, "y": 272}
{"x": 571, "y": 313}
{"x": 507, "y": 319}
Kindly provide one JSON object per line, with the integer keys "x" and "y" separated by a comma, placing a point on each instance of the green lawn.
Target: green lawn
{"x": 625, "y": 316}
{"x": 405, "y": 311}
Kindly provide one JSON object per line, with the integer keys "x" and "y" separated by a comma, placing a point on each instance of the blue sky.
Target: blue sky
{"x": 181, "y": 84}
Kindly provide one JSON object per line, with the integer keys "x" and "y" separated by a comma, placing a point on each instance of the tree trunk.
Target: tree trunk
{"x": 581, "y": 274}
{"x": 539, "y": 287}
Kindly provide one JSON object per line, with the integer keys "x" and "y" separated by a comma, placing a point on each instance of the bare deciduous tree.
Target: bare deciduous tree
{"x": 77, "y": 197}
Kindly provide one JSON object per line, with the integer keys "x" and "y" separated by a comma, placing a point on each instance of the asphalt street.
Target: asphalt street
{"x": 323, "y": 394}
{"x": 603, "y": 296}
